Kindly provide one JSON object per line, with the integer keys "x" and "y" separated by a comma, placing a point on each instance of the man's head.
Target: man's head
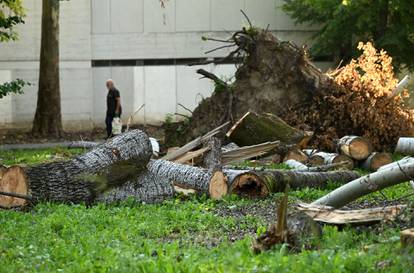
{"x": 110, "y": 84}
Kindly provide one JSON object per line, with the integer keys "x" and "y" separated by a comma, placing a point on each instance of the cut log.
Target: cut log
{"x": 321, "y": 158}
{"x": 296, "y": 155}
{"x": 405, "y": 146}
{"x": 260, "y": 183}
{"x": 146, "y": 187}
{"x": 407, "y": 238}
{"x": 185, "y": 176}
{"x": 82, "y": 178}
{"x": 376, "y": 160}
{"x": 389, "y": 176}
{"x": 194, "y": 143}
{"x": 333, "y": 216}
{"x": 254, "y": 129}
{"x": 355, "y": 147}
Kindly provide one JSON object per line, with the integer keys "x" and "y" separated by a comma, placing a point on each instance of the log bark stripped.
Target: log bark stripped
{"x": 397, "y": 173}
{"x": 355, "y": 147}
{"x": 82, "y": 178}
{"x": 254, "y": 129}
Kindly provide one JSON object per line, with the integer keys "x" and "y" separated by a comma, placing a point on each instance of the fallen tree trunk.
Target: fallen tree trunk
{"x": 185, "y": 176}
{"x": 390, "y": 176}
{"x": 254, "y": 183}
{"x": 296, "y": 165}
{"x": 82, "y": 178}
{"x": 146, "y": 187}
{"x": 254, "y": 129}
{"x": 376, "y": 160}
{"x": 355, "y": 147}
{"x": 321, "y": 158}
{"x": 405, "y": 146}
{"x": 247, "y": 152}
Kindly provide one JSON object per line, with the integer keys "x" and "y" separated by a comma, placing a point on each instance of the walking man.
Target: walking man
{"x": 113, "y": 106}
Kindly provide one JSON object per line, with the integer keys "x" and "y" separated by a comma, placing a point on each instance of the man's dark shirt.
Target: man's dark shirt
{"x": 111, "y": 102}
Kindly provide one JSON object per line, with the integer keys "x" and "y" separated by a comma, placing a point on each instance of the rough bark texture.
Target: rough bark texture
{"x": 82, "y": 178}
{"x": 376, "y": 160}
{"x": 212, "y": 159}
{"x": 183, "y": 175}
{"x": 48, "y": 120}
{"x": 277, "y": 180}
{"x": 146, "y": 187}
{"x": 405, "y": 146}
{"x": 253, "y": 129}
{"x": 389, "y": 176}
{"x": 260, "y": 183}
{"x": 355, "y": 147}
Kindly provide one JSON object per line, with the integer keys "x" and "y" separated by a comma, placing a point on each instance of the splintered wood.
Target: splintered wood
{"x": 333, "y": 216}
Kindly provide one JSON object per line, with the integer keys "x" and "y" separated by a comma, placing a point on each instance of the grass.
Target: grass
{"x": 181, "y": 235}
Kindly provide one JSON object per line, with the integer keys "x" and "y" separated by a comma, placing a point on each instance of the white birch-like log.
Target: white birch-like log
{"x": 296, "y": 165}
{"x": 405, "y": 146}
{"x": 389, "y": 176}
{"x": 401, "y": 86}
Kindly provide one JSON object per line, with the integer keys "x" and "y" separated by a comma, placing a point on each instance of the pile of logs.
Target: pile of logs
{"x": 122, "y": 167}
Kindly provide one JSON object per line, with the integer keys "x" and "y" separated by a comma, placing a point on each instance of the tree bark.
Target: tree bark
{"x": 296, "y": 165}
{"x": 389, "y": 176}
{"x": 355, "y": 147}
{"x": 254, "y": 129}
{"x": 82, "y": 178}
{"x": 48, "y": 120}
{"x": 405, "y": 146}
{"x": 213, "y": 158}
{"x": 146, "y": 187}
{"x": 376, "y": 160}
{"x": 322, "y": 158}
{"x": 260, "y": 183}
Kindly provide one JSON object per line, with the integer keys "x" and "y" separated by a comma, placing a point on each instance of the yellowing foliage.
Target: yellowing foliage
{"x": 365, "y": 105}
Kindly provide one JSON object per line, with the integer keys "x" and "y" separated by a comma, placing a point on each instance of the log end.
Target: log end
{"x": 218, "y": 186}
{"x": 316, "y": 160}
{"x": 249, "y": 185}
{"x": 407, "y": 238}
{"x": 343, "y": 158}
{"x": 360, "y": 148}
{"x": 297, "y": 155}
{"x": 12, "y": 180}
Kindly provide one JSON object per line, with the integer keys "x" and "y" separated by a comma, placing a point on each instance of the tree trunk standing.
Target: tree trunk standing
{"x": 48, "y": 119}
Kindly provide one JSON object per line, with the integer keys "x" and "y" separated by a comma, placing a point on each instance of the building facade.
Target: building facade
{"x": 144, "y": 48}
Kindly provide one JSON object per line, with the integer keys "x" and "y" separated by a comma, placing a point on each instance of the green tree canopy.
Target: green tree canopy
{"x": 11, "y": 14}
{"x": 389, "y": 24}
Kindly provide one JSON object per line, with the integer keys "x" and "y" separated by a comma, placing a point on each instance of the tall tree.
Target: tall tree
{"x": 343, "y": 23}
{"x": 48, "y": 118}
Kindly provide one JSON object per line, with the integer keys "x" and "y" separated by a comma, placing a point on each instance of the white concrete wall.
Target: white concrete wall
{"x": 131, "y": 30}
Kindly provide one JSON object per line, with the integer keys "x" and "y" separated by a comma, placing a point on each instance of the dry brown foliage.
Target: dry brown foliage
{"x": 364, "y": 106}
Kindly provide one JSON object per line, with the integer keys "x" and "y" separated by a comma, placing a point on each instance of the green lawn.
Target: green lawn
{"x": 183, "y": 235}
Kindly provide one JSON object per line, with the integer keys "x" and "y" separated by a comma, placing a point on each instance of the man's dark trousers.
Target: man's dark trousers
{"x": 108, "y": 122}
